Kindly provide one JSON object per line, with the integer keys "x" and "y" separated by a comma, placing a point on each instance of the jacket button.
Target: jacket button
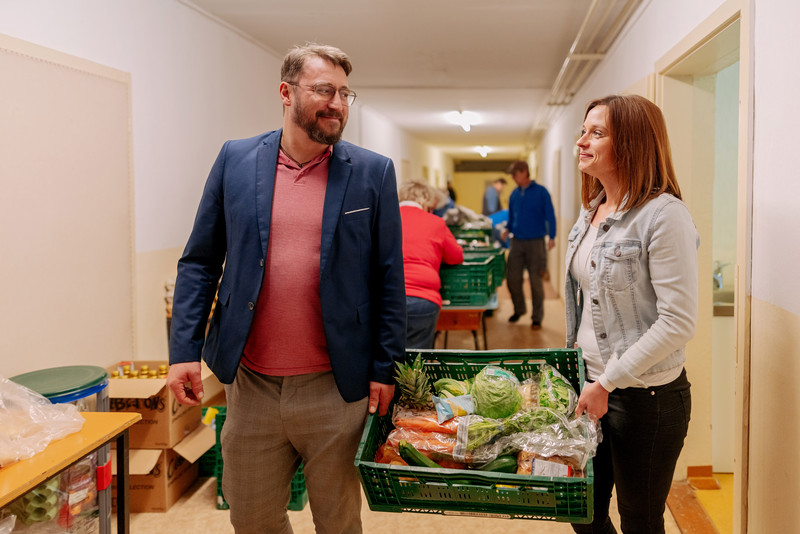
{"x": 593, "y": 264}
{"x": 251, "y": 306}
{"x": 603, "y": 335}
{"x": 617, "y": 252}
{"x": 606, "y": 227}
{"x": 261, "y": 262}
{"x": 594, "y": 301}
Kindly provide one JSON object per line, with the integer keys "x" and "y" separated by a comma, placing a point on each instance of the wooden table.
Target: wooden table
{"x": 99, "y": 429}
{"x": 472, "y": 318}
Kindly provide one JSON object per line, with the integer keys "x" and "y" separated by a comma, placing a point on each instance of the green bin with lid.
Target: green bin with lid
{"x": 82, "y": 385}
{"x": 85, "y": 386}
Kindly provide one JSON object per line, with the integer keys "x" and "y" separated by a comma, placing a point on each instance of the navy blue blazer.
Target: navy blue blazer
{"x": 362, "y": 287}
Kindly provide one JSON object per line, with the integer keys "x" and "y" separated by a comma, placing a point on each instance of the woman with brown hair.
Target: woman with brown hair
{"x": 631, "y": 306}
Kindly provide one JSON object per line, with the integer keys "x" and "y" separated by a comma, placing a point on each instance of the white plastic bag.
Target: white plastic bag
{"x": 29, "y": 421}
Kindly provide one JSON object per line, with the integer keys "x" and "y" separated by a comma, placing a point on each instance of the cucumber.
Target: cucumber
{"x": 413, "y": 457}
{"x": 501, "y": 464}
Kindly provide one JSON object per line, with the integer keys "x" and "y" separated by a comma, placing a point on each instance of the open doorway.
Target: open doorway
{"x": 699, "y": 89}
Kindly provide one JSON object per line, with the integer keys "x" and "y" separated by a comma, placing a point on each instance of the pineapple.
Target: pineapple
{"x": 415, "y": 388}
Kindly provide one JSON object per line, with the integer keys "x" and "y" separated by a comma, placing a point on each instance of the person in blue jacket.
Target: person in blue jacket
{"x": 298, "y": 234}
{"x": 532, "y": 228}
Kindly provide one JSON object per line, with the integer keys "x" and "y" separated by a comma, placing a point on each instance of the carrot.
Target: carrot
{"x": 425, "y": 422}
{"x": 388, "y": 455}
{"x": 423, "y": 441}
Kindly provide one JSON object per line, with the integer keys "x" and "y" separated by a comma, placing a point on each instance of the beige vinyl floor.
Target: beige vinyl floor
{"x": 196, "y": 510}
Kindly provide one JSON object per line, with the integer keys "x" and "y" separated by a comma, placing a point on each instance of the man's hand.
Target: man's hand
{"x": 380, "y": 395}
{"x": 179, "y": 375}
{"x": 550, "y": 244}
{"x": 593, "y": 400}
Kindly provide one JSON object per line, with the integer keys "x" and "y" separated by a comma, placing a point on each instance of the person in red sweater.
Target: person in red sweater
{"x": 427, "y": 243}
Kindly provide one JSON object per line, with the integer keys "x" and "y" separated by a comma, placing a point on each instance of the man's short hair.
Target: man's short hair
{"x": 518, "y": 166}
{"x": 501, "y": 180}
{"x": 295, "y": 59}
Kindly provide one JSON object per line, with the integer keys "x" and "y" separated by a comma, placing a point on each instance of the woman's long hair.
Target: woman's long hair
{"x": 641, "y": 151}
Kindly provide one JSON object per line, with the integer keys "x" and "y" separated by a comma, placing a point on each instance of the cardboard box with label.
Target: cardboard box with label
{"x": 158, "y": 477}
{"x": 165, "y": 422}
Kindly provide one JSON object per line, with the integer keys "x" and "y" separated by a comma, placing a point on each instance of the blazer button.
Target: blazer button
{"x": 251, "y": 306}
{"x": 603, "y": 335}
{"x": 594, "y": 301}
{"x": 261, "y": 262}
{"x": 606, "y": 227}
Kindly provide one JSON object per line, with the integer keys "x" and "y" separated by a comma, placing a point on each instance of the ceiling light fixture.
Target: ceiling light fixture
{"x": 465, "y": 119}
{"x": 483, "y": 150}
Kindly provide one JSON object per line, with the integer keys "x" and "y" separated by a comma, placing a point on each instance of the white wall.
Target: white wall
{"x": 195, "y": 84}
{"x": 654, "y": 29}
{"x": 775, "y": 346}
{"x": 775, "y": 173}
{"x": 369, "y": 129}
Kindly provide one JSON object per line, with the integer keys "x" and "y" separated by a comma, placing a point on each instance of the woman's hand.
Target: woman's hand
{"x": 593, "y": 400}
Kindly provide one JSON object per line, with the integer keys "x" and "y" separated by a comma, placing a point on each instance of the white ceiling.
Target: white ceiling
{"x": 414, "y": 60}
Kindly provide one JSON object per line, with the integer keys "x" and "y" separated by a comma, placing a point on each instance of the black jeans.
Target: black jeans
{"x": 643, "y": 434}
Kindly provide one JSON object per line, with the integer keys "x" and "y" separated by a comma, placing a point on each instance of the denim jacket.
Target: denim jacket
{"x": 643, "y": 288}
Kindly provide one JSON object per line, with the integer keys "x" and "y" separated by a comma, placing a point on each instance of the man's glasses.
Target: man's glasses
{"x": 325, "y": 92}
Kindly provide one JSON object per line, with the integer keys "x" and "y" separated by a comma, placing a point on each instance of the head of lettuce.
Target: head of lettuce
{"x": 495, "y": 393}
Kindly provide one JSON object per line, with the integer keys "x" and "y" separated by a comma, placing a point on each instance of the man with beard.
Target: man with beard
{"x": 298, "y": 235}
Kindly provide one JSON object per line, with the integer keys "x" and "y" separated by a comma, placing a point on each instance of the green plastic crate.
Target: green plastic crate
{"x": 208, "y": 461}
{"x": 298, "y": 497}
{"x": 467, "y": 284}
{"x": 498, "y": 264}
{"x": 397, "y": 488}
{"x": 473, "y": 236}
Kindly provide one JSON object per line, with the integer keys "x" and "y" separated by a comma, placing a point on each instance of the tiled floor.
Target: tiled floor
{"x": 196, "y": 512}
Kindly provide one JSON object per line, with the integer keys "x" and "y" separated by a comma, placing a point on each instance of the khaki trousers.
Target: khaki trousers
{"x": 273, "y": 424}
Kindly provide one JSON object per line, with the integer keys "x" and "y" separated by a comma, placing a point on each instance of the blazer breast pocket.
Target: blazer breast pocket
{"x": 357, "y": 214}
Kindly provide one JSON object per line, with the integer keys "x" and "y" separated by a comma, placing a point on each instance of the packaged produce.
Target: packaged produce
{"x": 495, "y": 393}
{"x": 555, "y": 392}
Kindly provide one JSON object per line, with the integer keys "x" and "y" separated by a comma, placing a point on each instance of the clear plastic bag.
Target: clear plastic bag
{"x": 29, "y": 422}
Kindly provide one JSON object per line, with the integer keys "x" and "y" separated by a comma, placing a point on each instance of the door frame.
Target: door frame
{"x": 686, "y": 51}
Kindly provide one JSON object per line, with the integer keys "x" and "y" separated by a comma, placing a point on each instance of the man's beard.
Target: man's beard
{"x": 315, "y": 133}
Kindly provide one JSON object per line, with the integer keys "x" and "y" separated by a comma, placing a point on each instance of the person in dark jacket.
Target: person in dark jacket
{"x": 532, "y": 227}
{"x": 299, "y": 235}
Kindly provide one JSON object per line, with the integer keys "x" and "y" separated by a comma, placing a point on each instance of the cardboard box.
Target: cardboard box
{"x": 158, "y": 477}
{"x": 165, "y": 422}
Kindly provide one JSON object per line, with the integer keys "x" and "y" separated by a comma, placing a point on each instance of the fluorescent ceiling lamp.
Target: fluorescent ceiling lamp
{"x": 465, "y": 119}
{"x": 483, "y": 150}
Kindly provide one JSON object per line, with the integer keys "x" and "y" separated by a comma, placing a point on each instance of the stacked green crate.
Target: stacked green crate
{"x": 298, "y": 496}
{"x": 467, "y": 284}
{"x": 498, "y": 257}
{"x": 473, "y": 237}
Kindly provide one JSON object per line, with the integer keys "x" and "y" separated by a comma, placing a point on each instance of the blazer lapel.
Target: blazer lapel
{"x": 266, "y": 163}
{"x": 338, "y": 177}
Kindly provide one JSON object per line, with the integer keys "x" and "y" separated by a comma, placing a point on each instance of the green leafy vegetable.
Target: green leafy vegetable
{"x": 450, "y": 387}
{"x": 496, "y": 393}
{"x": 481, "y": 431}
{"x": 555, "y": 392}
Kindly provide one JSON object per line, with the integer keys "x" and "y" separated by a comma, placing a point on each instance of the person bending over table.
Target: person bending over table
{"x": 427, "y": 243}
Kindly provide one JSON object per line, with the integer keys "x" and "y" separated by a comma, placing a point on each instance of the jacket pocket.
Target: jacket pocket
{"x": 621, "y": 264}
{"x": 223, "y": 294}
{"x": 362, "y": 313}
